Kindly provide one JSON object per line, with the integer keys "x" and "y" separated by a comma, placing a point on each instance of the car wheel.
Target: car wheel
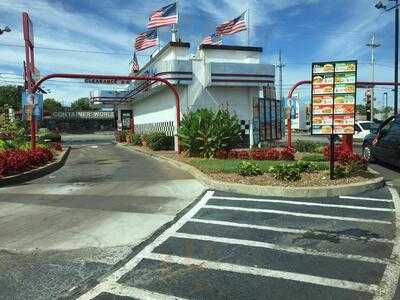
{"x": 367, "y": 154}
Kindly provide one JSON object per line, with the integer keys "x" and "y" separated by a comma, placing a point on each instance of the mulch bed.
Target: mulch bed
{"x": 315, "y": 179}
{"x": 307, "y": 179}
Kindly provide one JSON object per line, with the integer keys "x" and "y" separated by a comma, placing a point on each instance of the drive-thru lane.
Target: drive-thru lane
{"x": 78, "y": 222}
{"x": 231, "y": 246}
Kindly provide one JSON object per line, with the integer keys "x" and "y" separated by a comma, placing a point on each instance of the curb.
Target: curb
{"x": 36, "y": 173}
{"x": 257, "y": 190}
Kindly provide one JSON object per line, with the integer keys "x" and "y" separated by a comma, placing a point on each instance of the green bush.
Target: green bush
{"x": 306, "y": 146}
{"x": 313, "y": 157}
{"x": 159, "y": 141}
{"x": 203, "y": 132}
{"x": 286, "y": 172}
{"x": 136, "y": 139}
{"x": 306, "y": 167}
{"x": 51, "y": 136}
{"x": 340, "y": 172}
{"x": 247, "y": 168}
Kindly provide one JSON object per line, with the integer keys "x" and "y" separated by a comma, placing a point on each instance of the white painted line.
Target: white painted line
{"x": 305, "y": 203}
{"x": 337, "y": 283}
{"x": 366, "y": 199}
{"x": 127, "y": 291}
{"x": 242, "y": 225}
{"x": 264, "y": 245}
{"x": 391, "y": 276}
{"x": 285, "y": 230}
{"x": 114, "y": 277}
{"x": 304, "y": 215}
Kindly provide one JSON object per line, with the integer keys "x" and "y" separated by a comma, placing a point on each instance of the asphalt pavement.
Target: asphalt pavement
{"x": 75, "y": 224}
{"x": 231, "y": 246}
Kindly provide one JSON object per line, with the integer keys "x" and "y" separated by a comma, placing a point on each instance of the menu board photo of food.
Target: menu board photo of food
{"x": 333, "y": 97}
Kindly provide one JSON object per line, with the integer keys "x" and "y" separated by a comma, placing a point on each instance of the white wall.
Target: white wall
{"x": 159, "y": 107}
{"x": 233, "y": 56}
{"x": 237, "y": 99}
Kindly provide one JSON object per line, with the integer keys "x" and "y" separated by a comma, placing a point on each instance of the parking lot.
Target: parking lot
{"x": 245, "y": 247}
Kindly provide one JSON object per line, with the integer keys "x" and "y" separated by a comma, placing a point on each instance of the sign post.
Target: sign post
{"x": 333, "y": 101}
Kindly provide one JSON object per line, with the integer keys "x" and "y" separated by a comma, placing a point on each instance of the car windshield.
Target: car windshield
{"x": 369, "y": 126}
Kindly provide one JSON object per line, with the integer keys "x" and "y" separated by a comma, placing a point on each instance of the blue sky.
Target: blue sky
{"x": 305, "y": 31}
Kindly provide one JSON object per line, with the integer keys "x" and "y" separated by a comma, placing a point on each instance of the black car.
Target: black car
{"x": 384, "y": 144}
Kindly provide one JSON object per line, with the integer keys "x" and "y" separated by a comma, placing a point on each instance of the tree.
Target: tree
{"x": 361, "y": 109}
{"x": 51, "y": 105}
{"x": 11, "y": 95}
{"x": 81, "y": 104}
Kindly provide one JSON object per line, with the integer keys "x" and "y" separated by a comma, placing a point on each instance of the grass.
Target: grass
{"x": 230, "y": 165}
{"x": 315, "y": 157}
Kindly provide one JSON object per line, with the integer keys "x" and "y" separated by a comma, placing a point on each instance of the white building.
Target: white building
{"x": 215, "y": 76}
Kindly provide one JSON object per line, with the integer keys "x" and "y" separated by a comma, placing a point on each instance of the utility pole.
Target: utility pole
{"x": 373, "y": 45}
{"x": 280, "y": 67}
{"x": 381, "y": 5}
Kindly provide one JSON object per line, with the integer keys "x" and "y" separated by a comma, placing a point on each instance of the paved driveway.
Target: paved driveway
{"x": 232, "y": 246}
{"x": 57, "y": 231}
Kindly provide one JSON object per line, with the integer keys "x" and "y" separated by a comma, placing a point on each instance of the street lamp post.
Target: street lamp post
{"x": 380, "y": 5}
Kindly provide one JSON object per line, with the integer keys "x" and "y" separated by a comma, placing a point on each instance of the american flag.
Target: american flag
{"x": 135, "y": 64}
{"x": 233, "y": 26}
{"x": 165, "y": 16}
{"x": 213, "y": 39}
{"x": 146, "y": 40}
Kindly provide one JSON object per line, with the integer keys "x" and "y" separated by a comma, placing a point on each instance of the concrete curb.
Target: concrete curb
{"x": 36, "y": 173}
{"x": 257, "y": 190}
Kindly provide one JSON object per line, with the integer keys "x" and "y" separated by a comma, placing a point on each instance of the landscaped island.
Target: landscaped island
{"x": 209, "y": 139}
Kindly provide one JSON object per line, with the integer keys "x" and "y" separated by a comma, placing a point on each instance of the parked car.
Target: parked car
{"x": 364, "y": 128}
{"x": 384, "y": 144}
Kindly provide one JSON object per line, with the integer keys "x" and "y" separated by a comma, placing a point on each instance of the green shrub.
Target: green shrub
{"x": 340, "y": 172}
{"x": 247, "y": 168}
{"x": 51, "y": 136}
{"x": 136, "y": 139}
{"x": 306, "y": 146}
{"x": 159, "y": 141}
{"x": 313, "y": 157}
{"x": 203, "y": 132}
{"x": 3, "y": 145}
{"x": 286, "y": 172}
{"x": 306, "y": 167}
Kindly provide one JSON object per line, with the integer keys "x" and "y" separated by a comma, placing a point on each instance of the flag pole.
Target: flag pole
{"x": 248, "y": 27}
{"x": 174, "y": 29}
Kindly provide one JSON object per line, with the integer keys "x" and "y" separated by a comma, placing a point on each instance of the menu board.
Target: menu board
{"x": 333, "y": 97}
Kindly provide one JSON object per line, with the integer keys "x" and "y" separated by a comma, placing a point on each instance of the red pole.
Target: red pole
{"x": 289, "y": 117}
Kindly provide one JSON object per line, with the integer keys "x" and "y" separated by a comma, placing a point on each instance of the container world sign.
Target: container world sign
{"x": 333, "y": 97}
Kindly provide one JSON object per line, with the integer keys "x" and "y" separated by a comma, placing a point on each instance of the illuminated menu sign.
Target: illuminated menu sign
{"x": 333, "y": 97}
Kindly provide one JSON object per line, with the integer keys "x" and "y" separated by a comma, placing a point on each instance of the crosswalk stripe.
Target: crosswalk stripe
{"x": 304, "y": 203}
{"x": 323, "y": 281}
{"x": 366, "y": 199}
{"x": 304, "y": 215}
{"x": 296, "y": 250}
{"x": 127, "y": 291}
{"x": 283, "y": 229}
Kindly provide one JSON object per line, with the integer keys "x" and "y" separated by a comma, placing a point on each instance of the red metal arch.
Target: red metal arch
{"x": 36, "y": 86}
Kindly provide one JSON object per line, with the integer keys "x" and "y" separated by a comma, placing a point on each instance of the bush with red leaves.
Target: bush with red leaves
{"x": 14, "y": 161}
{"x": 350, "y": 162}
{"x": 56, "y": 146}
{"x": 288, "y": 153}
{"x": 257, "y": 154}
